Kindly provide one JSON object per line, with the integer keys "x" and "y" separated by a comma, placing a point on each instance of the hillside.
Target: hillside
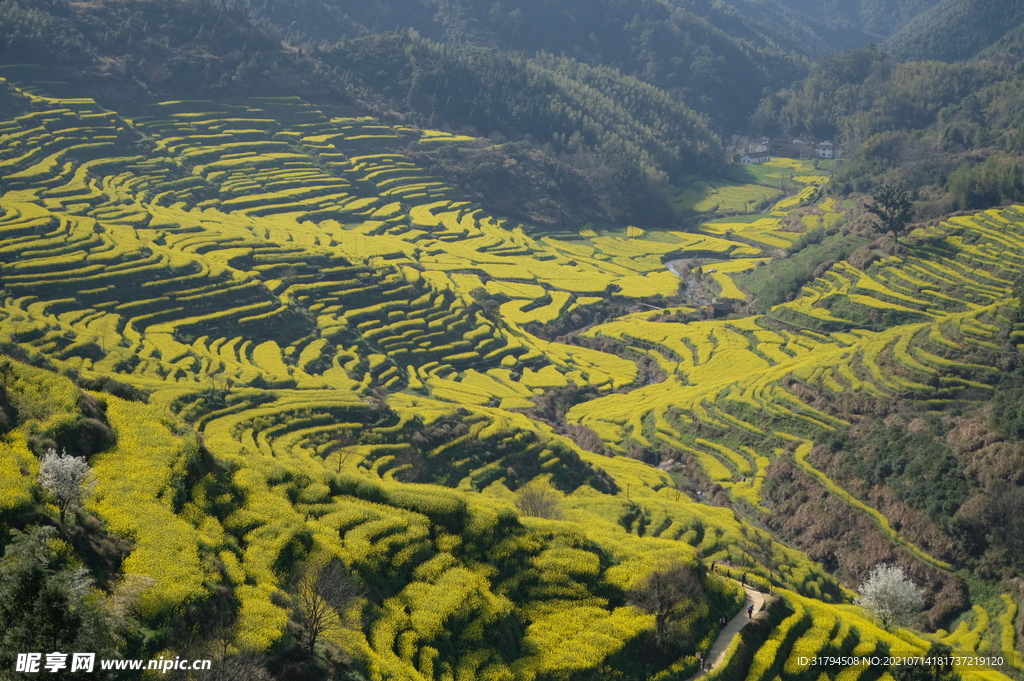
{"x": 955, "y": 30}
{"x": 621, "y": 140}
{"x": 349, "y": 366}
{"x": 686, "y": 48}
{"x": 877, "y": 18}
{"x": 584, "y": 143}
{"x": 126, "y": 48}
{"x": 597, "y": 32}
{"x": 947, "y": 133}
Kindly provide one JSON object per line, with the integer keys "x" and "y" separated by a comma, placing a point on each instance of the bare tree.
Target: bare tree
{"x": 670, "y": 595}
{"x": 342, "y": 443}
{"x": 894, "y": 599}
{"x": 68, "y": 478}
{"x": 539, "y": 499}
{"x": 320, "y": 597}
{"x": 245, "y": 666}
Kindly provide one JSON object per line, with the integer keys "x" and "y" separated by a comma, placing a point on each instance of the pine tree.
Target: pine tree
{"x": 892, "y": 206}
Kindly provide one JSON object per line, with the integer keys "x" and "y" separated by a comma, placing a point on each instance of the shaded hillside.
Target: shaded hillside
{"x": 625, "y": 138}
{"x": 689, "y": 49}
{"x": 955, "y": 30}
{"x": 124, "y": 52}
{"x": 877, "y": 18}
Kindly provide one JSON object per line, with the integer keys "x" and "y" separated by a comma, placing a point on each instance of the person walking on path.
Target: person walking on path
{"x": 714, "y": 657}
{"x": 743, "y": 580}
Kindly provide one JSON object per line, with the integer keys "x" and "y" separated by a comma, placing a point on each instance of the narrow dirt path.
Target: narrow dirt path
{"x": 717, "y": 653}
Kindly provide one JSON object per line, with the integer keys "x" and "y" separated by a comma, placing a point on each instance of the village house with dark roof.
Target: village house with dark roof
{"x": 756, "y": 158}
{"x": 827, "y": 150}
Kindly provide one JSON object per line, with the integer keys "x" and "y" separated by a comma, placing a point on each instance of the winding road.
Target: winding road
{"x": 717, "y": 653}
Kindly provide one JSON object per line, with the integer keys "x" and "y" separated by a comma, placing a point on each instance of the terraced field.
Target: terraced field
{"x": 730, "y": 375}
{"x": 291, "y": 286}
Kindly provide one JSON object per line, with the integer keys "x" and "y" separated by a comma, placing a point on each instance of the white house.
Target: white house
{"x": 826, "y": 150}
{"x": 756, "y": 158}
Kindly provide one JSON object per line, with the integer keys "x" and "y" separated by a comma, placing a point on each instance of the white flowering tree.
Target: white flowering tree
{"x": 891, "y": 596}
{"x": 68, "y": 478}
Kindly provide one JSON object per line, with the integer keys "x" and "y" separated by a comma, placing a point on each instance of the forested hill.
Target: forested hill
{"x": 947, "y": 133}
{"x": 874, "y": 17}
{"x": 716, "y": 58}
{"x": 640, "y": 132}
{"x": 954, "y": 30}
{"x": 713, "y": 59}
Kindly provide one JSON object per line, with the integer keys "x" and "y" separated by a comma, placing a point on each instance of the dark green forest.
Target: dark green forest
{"x": 953, "y": 30}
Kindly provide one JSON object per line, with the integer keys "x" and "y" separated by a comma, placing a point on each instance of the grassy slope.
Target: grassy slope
{"x": 263, "y": 270}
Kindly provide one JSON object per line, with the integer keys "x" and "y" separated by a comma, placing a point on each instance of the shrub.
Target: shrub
{"x": 539, "y": 499}
{"x": 46, "y": 602}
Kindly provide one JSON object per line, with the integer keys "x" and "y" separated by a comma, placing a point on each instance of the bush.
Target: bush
{"x": 813, "y": 236}
{"x": 539, "y": 499}
{"x": 106, "y": 384}
{"x": 782, "y": 278}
